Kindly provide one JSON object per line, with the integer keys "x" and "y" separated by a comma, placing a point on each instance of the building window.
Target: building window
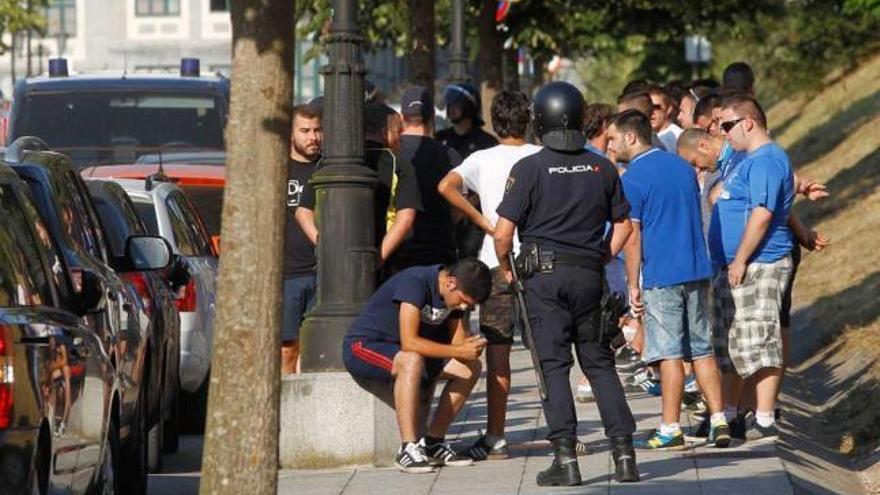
{"x": 219, "y": 5}
{"x": 157, "y": 7}
{"x": 61, "y": 18}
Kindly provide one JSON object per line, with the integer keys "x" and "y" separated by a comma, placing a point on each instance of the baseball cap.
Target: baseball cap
{"x": 417, "y": 101}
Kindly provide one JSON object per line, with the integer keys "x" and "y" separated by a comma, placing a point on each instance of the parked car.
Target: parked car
{"x": 202, "y": 177}
{"x": 60, "y": 394}
{"x": 122, "y": 325}
{"x": 120, "y": 220}
{"x": 168, "y": 212}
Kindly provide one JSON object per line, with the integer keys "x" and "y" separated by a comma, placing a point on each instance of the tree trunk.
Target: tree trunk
{"x": 488, "y": 57}
{"x": 422, "y": 43}
{"x": 241, "y": 436}
{"x": 510, "y": 69}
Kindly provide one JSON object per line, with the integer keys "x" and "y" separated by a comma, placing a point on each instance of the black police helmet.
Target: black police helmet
{"x": 558, "y": 116}
{"x": 466, "y": 95}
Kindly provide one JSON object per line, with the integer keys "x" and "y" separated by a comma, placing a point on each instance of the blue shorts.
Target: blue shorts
{"x": 677, "y": 323}
{"x": 299, "y": 297}
{"x": 373, "y": 359}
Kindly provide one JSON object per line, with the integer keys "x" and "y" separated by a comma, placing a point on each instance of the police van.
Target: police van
{"x": 132, "y": 124}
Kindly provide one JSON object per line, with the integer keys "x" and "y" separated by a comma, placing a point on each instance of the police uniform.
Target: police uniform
{"x": 560, "y": 199}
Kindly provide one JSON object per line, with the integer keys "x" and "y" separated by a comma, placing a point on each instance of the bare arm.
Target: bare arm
{"x": 410, "y": 340}
{"x": 450, "y": 188}
{"x": 632, "y": 252}
{"x": 806, "y": 237}
{"x": 503, "y": 245}
{"x": 403, "y": 224}
{"x": 622, "y": 231}
{"x": 756, "y": 229}
{"x": 306, "y": 220}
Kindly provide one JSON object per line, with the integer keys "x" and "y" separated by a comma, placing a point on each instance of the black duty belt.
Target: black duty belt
{"x": 536, "y": 259}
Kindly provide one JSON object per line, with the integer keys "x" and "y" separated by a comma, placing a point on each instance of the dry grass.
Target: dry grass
{"x": 834, "y": 137}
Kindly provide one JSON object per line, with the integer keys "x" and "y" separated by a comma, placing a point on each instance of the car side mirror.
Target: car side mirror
{"x": 147, "y": 253}
{"x": 91, "y": 296}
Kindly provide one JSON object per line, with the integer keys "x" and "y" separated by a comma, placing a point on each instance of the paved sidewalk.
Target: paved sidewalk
{"x": 750, "y": 469}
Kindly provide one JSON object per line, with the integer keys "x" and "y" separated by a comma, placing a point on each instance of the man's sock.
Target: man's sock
{"x": 669, "y": 429}
{"x": 765, "y": 418}
{"x": 495, "y": 442}
{"x": 718, "y": 418}
{"x": 429, "y": 440}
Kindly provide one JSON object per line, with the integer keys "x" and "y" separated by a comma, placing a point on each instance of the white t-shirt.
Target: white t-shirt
{"x": 669, "y": 137}
{"x": 485, "y": 172}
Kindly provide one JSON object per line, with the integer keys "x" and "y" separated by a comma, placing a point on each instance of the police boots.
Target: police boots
{"x": 625, "y": 469}
{"x": 564, "y": 471}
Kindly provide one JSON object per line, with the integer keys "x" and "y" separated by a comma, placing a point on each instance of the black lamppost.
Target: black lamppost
{"x": 344, "y": 200}
{"x": 458, "y": 59}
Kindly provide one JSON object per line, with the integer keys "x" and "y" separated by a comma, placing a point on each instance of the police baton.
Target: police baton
{"x": 528, "y": 335}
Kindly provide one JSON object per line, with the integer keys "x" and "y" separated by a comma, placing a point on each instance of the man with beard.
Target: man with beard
{"x": 300, "y": 265}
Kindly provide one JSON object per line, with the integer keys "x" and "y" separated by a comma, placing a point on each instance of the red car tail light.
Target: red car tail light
{"x": 6, "y": 377}
{"x": 186, "y": 297}
{"x": 139, "y": 281}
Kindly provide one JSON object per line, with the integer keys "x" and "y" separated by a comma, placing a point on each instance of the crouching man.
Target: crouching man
{"x": 412, "y": 333}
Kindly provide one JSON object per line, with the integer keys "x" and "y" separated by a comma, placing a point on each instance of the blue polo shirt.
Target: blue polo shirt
{"x": 763, "y": 178}
{"x": 664, "y": 194}
{"x": 380, "y": 318}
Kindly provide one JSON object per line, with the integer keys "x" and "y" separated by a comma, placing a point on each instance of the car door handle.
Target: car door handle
{"x": 126, "y": 307}
{"x": 111, "y": 295}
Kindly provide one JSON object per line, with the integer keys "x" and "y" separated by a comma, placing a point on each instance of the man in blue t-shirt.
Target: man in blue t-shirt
{"x": 751, "y": 243}
{"x": 412, "y": 332}
{"x": 668, "y": 247}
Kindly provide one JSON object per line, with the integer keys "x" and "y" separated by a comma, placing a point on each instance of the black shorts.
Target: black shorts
{"x": 496, "y": 313}
{"x": 299, "y": 297}
{"x": 785, "y": 310}
{"x": 373, "y": 360}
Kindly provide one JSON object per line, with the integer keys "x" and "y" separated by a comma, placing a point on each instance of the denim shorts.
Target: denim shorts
{"x": 299, "y": 297}
{"x": 677, "y": 322}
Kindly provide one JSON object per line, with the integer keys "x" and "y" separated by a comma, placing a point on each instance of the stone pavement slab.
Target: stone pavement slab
{"x": 753, "y": 469}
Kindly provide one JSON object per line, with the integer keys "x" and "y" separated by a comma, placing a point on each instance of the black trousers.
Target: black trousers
{"x": 563, "y": 308}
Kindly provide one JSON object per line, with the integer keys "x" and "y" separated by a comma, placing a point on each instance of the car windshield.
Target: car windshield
{"x": 95, "y": 128}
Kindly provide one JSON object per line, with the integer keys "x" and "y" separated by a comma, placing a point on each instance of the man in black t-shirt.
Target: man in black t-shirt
{"x": 432, "y": 240}
{"x": 299, "y": 253}
{"x": 397, "y": 195}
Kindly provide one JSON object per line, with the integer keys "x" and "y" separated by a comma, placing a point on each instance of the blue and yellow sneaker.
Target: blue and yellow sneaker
{"x": 659, "y": 441}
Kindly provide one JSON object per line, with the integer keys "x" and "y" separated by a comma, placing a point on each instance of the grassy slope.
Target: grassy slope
{"x": 834, "y": 137}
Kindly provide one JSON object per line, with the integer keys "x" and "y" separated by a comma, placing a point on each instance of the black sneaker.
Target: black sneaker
{"x": 756, "y": 432}
{"x": 627, "y": 360}
{"x": 739, "y": 423}
{"x": 703, "y": 429}
{"x": 412, "y": 459}
{"x": 481, "y": 451}
{"x": 443, "y": 455}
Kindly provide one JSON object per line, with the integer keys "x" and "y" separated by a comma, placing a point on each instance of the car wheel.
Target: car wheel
{"x": 108, "y": 481}
{"x": 194, "y": 408}
{"x": 38, "y": 476}
{"x": 133, "y": 467}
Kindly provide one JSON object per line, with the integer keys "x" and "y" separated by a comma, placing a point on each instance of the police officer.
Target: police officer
{"x": 560, "y": 199}
{"x": 465, "y": 135}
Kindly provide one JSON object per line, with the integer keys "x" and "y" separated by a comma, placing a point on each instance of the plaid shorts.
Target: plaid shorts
{"x": 747, "y": 331}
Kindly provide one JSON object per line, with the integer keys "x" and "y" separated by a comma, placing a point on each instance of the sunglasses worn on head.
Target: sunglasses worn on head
{"x": 730, "y": 124}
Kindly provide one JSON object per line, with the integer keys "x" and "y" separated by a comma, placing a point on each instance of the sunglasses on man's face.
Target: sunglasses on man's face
{"x": 730, "y": 124}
